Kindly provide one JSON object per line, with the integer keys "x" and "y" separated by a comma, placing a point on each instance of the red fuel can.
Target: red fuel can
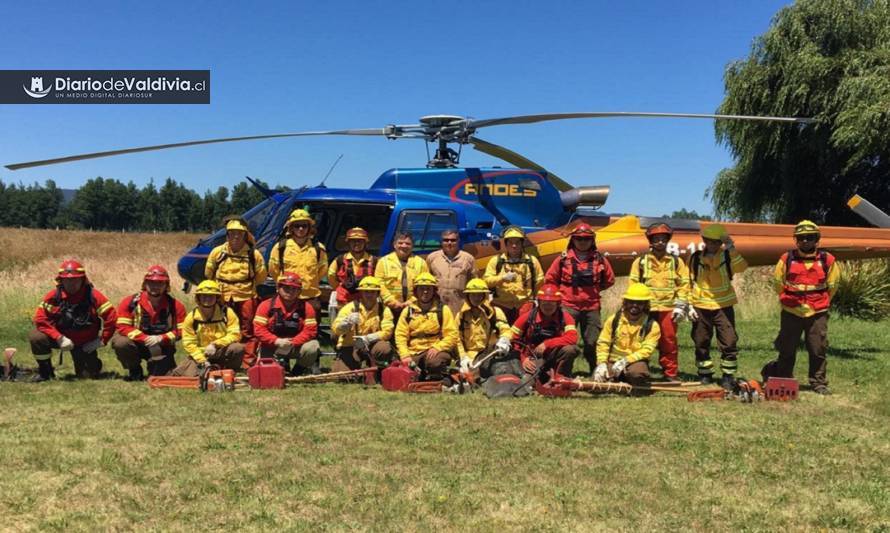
{"x": 266, "y": 374}
{"x": 397, "y": 376}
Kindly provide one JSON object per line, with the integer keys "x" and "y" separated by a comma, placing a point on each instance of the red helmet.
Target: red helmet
{"x": 291, "y": 279}
{"x": 549, "y": 293}
{"x": 583, "y": 230}
{"x": 157, "y": 273}
{"x": 659, "y": 228}
{"x": 71, "y": 269}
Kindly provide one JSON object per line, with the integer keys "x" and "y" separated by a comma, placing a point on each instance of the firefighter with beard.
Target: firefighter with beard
{"x": 482, "y": 327}
{"x": 148, "y": 325}
{"x": 238, "y": 267}
{"x": 426, "y": 334}
{"x": 628, "y": 339}
{"x": 210, "y": 333}
{"x": 546, "y": 335}
{"x": 513, "y": 276}
{"x": 73, "y": 317}
{"x": 668, "y": 279}
{"x": 805, "y": 279}
{"x": 581, "y": 273}
{"x": 364, "y": 328}
{"x": 287, "y": 327}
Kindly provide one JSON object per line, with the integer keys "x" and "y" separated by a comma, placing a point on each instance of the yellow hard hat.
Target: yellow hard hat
{"x": 208, "y": 286}
{"x": 369, "y": 283}
{"x": 300, "y": 215}
{"x": 806, "y": 227}
{"x": 638, "y": 292}
{"x": 425, "y": 279}
{"x": 714, "y": 232}
{"x": 357, "y": 234}
{"x": 476, "y": 285}
{"x": 513, "y": 232}
{"x": 237, "y": 225}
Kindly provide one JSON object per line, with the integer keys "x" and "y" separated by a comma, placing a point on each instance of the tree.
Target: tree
{"x": 245, "y": 196}
{"x": 820, "y": 59}
{"x": 686, "y": 214}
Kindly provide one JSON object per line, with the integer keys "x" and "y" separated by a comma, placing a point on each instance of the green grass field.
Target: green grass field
{"x": 110, "y": 455}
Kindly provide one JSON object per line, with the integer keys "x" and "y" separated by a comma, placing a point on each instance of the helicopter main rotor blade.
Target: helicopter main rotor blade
{"x": 516, "y": 160}
{"x": 530, "y": 119}
{"x": 95, "y": 155}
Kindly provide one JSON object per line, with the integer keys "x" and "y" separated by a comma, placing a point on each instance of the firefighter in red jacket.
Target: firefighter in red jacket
{"x": 805, "y": 280}
{"x": 148, "y": 325}
{"x": 286, "y": 327}
{"x": 581, "y": 273}
{"x": 73, "y": 317}
{"x": 545, "y": 334}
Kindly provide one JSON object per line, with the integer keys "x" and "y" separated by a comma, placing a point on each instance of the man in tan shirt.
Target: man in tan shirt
{"x": 453, "y": 268}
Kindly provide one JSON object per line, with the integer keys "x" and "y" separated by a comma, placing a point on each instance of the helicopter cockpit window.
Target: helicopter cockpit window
{"x": 426, "y": 227}
{"x": 374, "y": 220}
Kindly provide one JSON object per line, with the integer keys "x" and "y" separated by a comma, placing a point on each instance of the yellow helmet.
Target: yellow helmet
{"x": 476, "y": 285}
{"x": 638, "y": 292}
{"x": 369, "y": 283}
{"x": 208, "y": 286}
{"x": 714, "y": 232}
{"x": 300, "y": 215}
{"x": 806, "y": 227}
{"x": 237, "y": 225}
{"x": 425, "y": 279}
{"x": 513, "y": 232}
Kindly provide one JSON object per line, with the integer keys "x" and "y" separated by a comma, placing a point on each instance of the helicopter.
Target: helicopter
{"x": 481, "y": 202}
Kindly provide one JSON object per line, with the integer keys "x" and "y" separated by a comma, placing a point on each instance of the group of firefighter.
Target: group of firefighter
{"x": 438, "y": 312}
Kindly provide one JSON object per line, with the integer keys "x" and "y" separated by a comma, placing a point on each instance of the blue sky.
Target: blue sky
{"x": 292, "y": 66}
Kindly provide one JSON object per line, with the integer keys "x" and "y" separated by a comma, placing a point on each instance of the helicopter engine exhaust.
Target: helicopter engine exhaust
{"x": 589, "y": 196}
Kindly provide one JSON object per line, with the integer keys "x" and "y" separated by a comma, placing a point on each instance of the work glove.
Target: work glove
{"x": 619, "y": 366}
{"x": 332, "y": 305}
{"x": 372, "y": 338}
{"x": 91, "y": 346}
{"x": 360, "y": 342}
{"x": 530, "y": 365}
{"x": 601, "y": 374}
{"x": 153, "y": 340}
{"x": 728, "y": 242}
{"x": 691, "y": 313}
{"x": 465, "y": 365}
{"x": 282, "y": 342}
{"x": 354, "y": 319}
{"x": 510, "y": 276}
{"x": 210, "y": 350}
{"x": 503, "y": 345}
{"x": 679, "y": 313}
{"x": 343, "y": 326}
{"x": 66, "y": 344}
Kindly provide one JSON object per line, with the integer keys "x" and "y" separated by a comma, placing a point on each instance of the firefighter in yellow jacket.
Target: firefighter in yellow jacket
{"x": 805, "y": 279}
{"x": 712, "y": 299}
{"x": 628, "y": 339}
{"x": 300, "y": 254}
{"x": 482, "y": 327}
{"x": 668, "y": 279}
{"x": 238, "y": 267}
{"x": 513, "y": 276}
{"x": 426, "y": 334}
{"x": 396, "y": 272}
{"x": 364, "y": 328}
{"x": 210, "y": 333}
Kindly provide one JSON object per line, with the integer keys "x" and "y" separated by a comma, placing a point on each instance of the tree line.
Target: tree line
{"x": 108, "y": 204}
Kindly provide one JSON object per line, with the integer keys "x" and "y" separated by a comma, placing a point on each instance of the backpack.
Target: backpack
{"x": 157, "y": 328}
{"x": 438, "y": 316}
{"x": 492, "y": 322}
{"x": 821, "y": 257}
{"x": 76, "y": 316}
{"x": 282, "y": 245}
{"x": 499, "y": 265}
{"x": 695, "y": 262}
{"x": 641, "y": 273}
{"x": 595, "y": 259}
{"x": 536, "y": 330}
{"x": 616, "y": 318}
{"x": 197, "y": 319}
{"x": 251, "y": 266}
{"x": 351, "y": 282}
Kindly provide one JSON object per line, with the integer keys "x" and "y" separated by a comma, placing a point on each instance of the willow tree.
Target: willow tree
{"x": 825, "y": 59}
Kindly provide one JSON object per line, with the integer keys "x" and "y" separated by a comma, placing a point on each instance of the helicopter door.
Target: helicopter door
{"x": 426, "y": 226}
{"x": 334, "y": 220}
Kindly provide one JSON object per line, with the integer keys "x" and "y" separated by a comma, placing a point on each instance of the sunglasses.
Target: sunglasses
{"x": 301, "y": 226}
{"x": 449, "y": 240}
{"x": 808, "y": 237}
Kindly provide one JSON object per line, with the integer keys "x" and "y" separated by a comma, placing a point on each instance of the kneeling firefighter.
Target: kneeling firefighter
{"x": 210, "y": 333}
{"x": 287, "y": 328}
{"x": 148, "y": 325}
{"x": 628, "y": 339}
{"x": 74, "y": 317}
{"x": 426, "y": 334}
{"x": 482, "y": 328}
{"x": 363, "y": 327}
{"x": 545, "y": 335}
